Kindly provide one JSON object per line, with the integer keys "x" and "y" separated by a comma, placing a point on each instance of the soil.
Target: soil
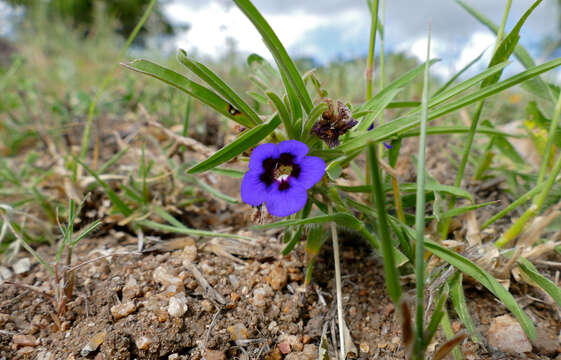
{"x": 187, "y": 298}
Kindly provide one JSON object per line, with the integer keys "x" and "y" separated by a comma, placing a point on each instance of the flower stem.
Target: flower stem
{"x": 337, "y": 261}
{"x": 371, "y": 48}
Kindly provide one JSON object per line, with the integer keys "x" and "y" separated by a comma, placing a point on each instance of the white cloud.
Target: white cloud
{"x": 212, "y": 25}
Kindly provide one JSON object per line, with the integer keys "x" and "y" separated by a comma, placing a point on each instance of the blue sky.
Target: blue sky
{"x": 330, "y": 29}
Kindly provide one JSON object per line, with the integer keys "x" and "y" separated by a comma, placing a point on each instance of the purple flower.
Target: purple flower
{"x": 279, "y": 175}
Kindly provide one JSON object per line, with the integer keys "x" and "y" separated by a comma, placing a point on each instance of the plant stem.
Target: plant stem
{"x": 337, "y": 261}
{"x": 371, "y": 48}
{"x": 418, "y": 347}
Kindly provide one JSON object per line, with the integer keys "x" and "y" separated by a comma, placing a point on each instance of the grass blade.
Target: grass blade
{"x": 248, "y": 139}
{"x": 191, "y": 88}
{"x": 219, "y": 86}
{"x": 284, "y": 62}
{"x": 392, "y": 277}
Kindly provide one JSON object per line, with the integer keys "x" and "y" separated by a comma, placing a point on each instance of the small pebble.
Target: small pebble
{"x": 121, "y": 310}
{"x": 94, "y": 343}
{"x": 238, "y": 332}
{"x": 5, "y": 273}
{"x": 260, "y": 294}
{"x": 24, "y": 340}
{"x": 506, "y": 335}
{"x": 131, "y": 289}
{"x": 364, "y": 348}
{"x": 143, "y": 342}
{"x": 215, "y": 355}
{"x": 44, "y": 355}
{"x": 278, "y": 277}
{"x": 234, "y": 281}
{"x": 310, "y": 353}
{"x": 284, "y": 347}
{"x": 164, "y": 277}
{"x": 293, "y": 340}
{"x": 207, "y": 305}
{"x": 22, "y": 266}
{"x": 177, "y": 305}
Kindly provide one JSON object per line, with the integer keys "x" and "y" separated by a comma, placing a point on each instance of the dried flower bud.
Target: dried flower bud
{"x": 333, "y": 124}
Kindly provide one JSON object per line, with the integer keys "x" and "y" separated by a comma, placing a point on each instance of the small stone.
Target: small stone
{"x": 4, "y": 319}
{"x": 234, "y": 280}
{"x": 284, "y": 347}
{"x": 144, "y": 342}
{"x": 22, "y": 266}
{"x": 24, "y": 340}
{"x": 238, "y": 332}
{"x": 546, "y": 342}
{"x": 215, "y": 355}
{"x": 506, "y": 335}
{"x": 162, "y": 275}
{"x": 207, "y": 305}
{"x": 293, "y": 340}
{"x": 44, "y": 355}
{"x": 189, "y": 252}
{"x": 5, "y": 273}
{"x": 260, "y": 294}
{"x": 310, "y": 353}
{"x": 94, "y": 343}
{"x": 364, "y": 348}
{"x": 131, "y": 289}
{"x": 278, "y": 277}
{"x": 388, "y": 309}
{"x": 177, "y": 305}
{"x": 173, "y": 356}
{"x": 121, "y": 310}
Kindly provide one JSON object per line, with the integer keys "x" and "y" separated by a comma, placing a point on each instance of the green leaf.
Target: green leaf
{"x": 549, "y": 286}
{"x": 233, "y": 173}
{"x": 493, "y": 70}
{"x": 115, "y": 199}
{"x": 215, "y": 82}
{"x": 459, "y": 73}
{"x": 464, "y": 209}
{"x": 284, "y": 114}
{"x": 400, "y": 82}
{"x": 284, "y": 62}
{"x": 536, "y": 86}
{"x": 460, "y": 305}
{"x": 246, "y": 140}
{"x": 443, "y": 130}
{"x": 191, "y": 88}
{"x": 392, "y": 276}
{"x": 375, "y": 107}
{"x": 465, "y": 265}
{"x": 396, "y": 126}
{"x": 507, "y": 46}
{"x": 341, "y": 219}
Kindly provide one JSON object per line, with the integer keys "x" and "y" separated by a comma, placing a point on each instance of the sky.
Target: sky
{"x": 331, "y": 29}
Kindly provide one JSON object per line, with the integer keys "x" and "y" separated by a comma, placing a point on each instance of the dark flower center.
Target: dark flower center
{"x": 279, "y": 170}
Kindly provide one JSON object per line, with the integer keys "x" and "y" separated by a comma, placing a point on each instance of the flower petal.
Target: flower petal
{"x": 286, "y": 202}
{"x": 253, "y": 191}
{"x": 297, "y": 148}
{"x": 261, "y": 153}
{"x": 311, "y": 171}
